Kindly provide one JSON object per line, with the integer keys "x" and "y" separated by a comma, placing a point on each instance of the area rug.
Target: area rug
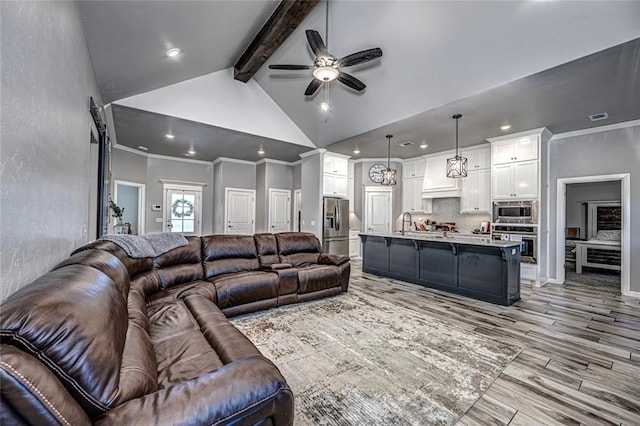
{"x": 357, "y": 360}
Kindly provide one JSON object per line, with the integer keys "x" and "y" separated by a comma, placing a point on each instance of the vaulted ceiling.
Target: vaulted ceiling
{"x": 524, "y": 63}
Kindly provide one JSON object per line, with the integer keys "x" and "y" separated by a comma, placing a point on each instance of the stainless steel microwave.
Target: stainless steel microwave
{"x": 515, "y": 212}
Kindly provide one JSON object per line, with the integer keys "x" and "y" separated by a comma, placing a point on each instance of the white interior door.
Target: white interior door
{"x": 378, "y": 212}
{"x": 240, "y": 211}
{"x": 183, "y": 210}
{"x": 297, "y": 208}
{"x": 279, "y": 210}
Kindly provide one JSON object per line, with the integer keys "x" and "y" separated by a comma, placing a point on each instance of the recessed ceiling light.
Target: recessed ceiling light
{"x": 261, "y": 151}
{"x": 356, "y": 151}
{"x": 324, "y": 106}
{"x": 404, "y": 144}
{"x": 143, "y": 148}
{"x": 424, "y": 145}
{"x": 505, "y": 127}
{"x": 173, "y": 52}
{"x": 599, "y": 116}
{"x": 169, "y": 136}
{"x": 191, "y": 152}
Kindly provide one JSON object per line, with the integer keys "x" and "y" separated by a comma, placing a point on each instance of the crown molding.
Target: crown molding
{"x": 336, "y": 154}
{"x": 232, "y": 160}
{"x": 272, "y": 161}
{"x": 160, "y": 157}
{"x": 377, "y": 160}
{"x": 598, "y": 129}
{"x": 313, "y": 152}
{"x": 543, "y": 131}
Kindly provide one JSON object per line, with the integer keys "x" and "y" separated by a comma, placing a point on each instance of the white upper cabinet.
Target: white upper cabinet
{"x": 518, "y": 149}
{"x": 336, "y": 165}
{"x": 335, "y": 175}
{"x": 478, "y": 157}
{"x": 413, "y": 168}
{"x": 476, "y": 192}
{"x": 436, "y": 184}
{"x": 515, "y": 180}
{"x": 412, "y": 200}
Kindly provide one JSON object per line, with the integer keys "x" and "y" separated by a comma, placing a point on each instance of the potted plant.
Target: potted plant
{"x": 118, "y": 211}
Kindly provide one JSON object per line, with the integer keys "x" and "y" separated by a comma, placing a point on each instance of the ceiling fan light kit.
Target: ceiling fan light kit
{"x": 457, "y": 166}
{"x": 326, "y": 67}
{"x": 389, "y": 175}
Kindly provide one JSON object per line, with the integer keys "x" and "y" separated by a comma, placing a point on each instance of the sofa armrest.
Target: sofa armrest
{"x": 332, "y": 259}
{"x": 275, "y": 266}
{"x": 243, "y": 392}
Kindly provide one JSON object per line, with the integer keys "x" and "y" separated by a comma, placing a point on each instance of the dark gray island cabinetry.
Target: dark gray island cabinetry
{"x": 481, "y": 269}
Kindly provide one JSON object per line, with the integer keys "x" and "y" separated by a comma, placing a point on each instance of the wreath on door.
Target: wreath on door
{"x": 182, "y": 208}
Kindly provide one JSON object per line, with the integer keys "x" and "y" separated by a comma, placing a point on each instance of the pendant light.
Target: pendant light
{"x": 457, "y": 166}
{"x": 389, "y": 175}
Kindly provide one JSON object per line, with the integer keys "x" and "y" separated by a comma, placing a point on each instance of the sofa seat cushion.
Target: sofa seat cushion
{"x": 192, "y": 337}
{"x": 317, "y": 277}
{"x": 245, "y": 287}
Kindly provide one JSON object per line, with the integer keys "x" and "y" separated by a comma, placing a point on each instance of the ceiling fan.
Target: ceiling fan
{"x": 326, "y": 67}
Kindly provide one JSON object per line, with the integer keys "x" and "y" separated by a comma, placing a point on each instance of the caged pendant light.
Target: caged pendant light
{"x": 389, "y": 176}
{"x": 457, "y": 166}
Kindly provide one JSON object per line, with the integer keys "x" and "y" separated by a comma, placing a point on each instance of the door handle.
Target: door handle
{"x": 230, "y": 226}
{"x": 337, "y": 213}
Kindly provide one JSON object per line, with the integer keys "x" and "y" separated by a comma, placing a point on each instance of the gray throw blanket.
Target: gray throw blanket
{"x": 147, "y": 245}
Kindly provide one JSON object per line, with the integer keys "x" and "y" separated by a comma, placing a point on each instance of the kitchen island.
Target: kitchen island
{"x": 479, "y": 268}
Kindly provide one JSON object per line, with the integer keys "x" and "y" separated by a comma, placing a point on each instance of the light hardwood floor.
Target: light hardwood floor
{"x": 581, "y": 357}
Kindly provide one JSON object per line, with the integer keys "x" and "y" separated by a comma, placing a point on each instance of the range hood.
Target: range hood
{"x": 436, "y": 184}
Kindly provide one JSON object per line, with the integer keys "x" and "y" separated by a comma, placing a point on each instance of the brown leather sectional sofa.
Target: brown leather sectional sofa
{"x": 108, "y": 339}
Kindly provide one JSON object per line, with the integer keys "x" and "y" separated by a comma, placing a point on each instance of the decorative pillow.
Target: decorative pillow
{"x": 609, "y": 235}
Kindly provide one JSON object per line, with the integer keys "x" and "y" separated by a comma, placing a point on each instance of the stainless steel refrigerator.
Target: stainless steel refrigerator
{"x": 335, "y": 228}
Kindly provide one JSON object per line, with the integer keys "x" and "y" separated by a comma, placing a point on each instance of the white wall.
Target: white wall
{"x": 606, "y": 152}
{"x": 46, "y": 81}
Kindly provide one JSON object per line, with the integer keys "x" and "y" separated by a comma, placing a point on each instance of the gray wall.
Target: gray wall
{"x": 311, "y": 181}
{"x": 180, "y": 171}
{"x": 608, "y": 152}
{"x": 46, "y": 81}
{"x": 261, "y": 198}
{"x": 230, "y": 174}
{"x": 148, "y": 170}
{"x": 297, "y": 176}
{"x": 578, "y": 193}
{"x": 361, "y": 179}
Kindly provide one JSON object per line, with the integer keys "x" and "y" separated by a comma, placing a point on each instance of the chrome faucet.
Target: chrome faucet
{"x": 404, "y": 221}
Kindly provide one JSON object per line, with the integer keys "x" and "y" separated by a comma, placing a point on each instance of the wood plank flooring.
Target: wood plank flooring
{"x": 581, "y": 358}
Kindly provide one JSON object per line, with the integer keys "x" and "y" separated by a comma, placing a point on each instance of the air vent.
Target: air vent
{"x": 599, "y": 116}
{"x": 407, "y": 143}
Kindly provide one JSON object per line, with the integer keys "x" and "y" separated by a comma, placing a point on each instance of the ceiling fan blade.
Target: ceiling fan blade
{"x": 290, "y": 67}
{"x": 312, "y": 87}
{"x": 316, "y": 43}
{"x": 360, "y": 57}
{"x": 351, "y": 81}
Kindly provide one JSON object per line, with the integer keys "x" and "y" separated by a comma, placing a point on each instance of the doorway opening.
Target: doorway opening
{"x": 593, "y": 231}
{"x": 297, "y": 209}
{"x": 131, "y": 196}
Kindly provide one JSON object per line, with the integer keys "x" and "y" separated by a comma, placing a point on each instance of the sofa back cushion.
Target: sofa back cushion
{"x": 267, "y": 248}
{"x": 74, "y": 319}
{"x": 134, "y": 266}
{"x": 225, "y": 254}
{"x": 298, "y": 248}
{"x": 180, "y": 265}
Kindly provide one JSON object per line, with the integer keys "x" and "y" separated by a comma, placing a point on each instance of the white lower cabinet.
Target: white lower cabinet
{"x": 476, "y": 194}
{"x": 354, "y": 244}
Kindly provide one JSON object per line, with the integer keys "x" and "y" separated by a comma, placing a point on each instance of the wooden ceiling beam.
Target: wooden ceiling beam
{"x": 284, "y": 20}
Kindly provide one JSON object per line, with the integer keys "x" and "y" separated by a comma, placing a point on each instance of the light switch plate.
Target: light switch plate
{"x": 158, "y": 220}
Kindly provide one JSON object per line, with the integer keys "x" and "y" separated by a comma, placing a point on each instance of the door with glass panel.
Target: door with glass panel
{"x": 183, "y": 211}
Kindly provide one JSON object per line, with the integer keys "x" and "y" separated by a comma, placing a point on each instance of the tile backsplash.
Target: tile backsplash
{"x": 448, "y": 210}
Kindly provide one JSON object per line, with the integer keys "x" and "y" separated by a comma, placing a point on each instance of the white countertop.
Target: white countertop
{"x": 450, "y": 238}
